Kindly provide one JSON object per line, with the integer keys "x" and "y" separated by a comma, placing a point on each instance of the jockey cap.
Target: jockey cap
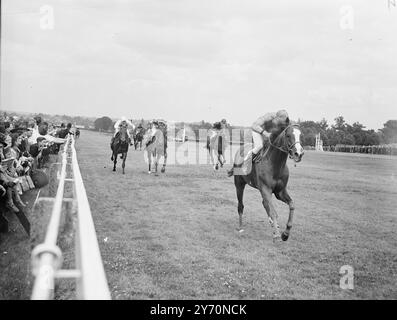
{"x": 282, "y": 117}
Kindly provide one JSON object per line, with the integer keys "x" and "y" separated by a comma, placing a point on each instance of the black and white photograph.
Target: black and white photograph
{"x": 208, "y": 152}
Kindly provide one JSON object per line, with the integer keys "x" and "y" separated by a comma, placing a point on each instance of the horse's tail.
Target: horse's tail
{"x": 230, "y": 172}
{"x": 208, "y": 144}
{"x": 220, "y": 145}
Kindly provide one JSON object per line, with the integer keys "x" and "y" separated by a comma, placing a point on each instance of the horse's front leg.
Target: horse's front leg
{"x": 284, "y": 197}
{"x": 114, "y": 161}
{"x": 240, "y": 184}
{"x": 150, "y": 162}
{"x": 215, "y": 165}
{"x": 124, "y": 158}
{"x": 271, "y": 212}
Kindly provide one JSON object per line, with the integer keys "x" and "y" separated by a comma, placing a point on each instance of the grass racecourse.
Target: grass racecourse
{"x": 174, "y": 236}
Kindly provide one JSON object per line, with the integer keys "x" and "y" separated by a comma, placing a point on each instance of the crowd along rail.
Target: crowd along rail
{"x": 89, "y": 273}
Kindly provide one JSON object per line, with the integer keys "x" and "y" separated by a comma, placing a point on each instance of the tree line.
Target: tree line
{"x": 344, "y": 133}
{"x": 340, "y": 132}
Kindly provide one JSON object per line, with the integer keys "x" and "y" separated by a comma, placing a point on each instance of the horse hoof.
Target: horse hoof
{"x": 149, "y": 172}
{"x": 284, "y": 236}
{"x": 240, "y": 230}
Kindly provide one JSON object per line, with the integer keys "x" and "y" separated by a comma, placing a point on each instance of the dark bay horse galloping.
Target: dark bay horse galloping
{"x": 270, "y": 175}
{"x": 138, "y": 137}
{"x": 119, "y": 145}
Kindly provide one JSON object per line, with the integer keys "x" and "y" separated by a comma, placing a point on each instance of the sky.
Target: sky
{"x": 193, "y": 60}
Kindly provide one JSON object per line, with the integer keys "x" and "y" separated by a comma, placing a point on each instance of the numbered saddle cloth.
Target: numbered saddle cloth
{"x": 241, "y": 167}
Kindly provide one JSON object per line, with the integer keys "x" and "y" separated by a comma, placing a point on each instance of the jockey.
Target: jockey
{"x": 263, "y": 128}
{"x": 123, "y": 122}
{"x": 154, "y": 127}
{"x": 218, "y": 127}
{"x": 151, "y": 131}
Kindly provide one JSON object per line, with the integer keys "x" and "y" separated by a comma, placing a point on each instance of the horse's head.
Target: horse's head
{"x": 292, "y": 142}
{"x": 123, "y": 126}
{"x": 287, "y": 140}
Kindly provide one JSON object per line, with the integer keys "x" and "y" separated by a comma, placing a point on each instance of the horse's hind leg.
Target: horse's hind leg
{"x": 165, "y": 162}
{"x": 271, "y": 212}
{"x": 240, "y": 186}
{"x": 156, "y": 164}
{"x": 221, "y": 160}
{"x": 211, "y": 158}
{"x": 284, "y": 197}
{"x": 216, "y": 165}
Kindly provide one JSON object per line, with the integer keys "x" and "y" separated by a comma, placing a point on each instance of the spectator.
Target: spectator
{"x": 42, "y": 131}
{"x": 62, "y": 133}
{"x": 8, "y": 183}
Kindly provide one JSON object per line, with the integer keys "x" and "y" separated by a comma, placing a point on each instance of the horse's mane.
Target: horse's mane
{"x": 277, "y": 131}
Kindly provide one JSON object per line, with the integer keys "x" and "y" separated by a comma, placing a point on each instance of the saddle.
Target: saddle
{"x": 241, "y": 167}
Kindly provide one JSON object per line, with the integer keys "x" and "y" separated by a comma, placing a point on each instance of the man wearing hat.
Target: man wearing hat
{"x": 263, "y": 128}
{"x": 3, "y": 145}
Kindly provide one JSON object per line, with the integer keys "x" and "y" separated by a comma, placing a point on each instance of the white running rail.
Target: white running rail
{"x": 91, "y": 283}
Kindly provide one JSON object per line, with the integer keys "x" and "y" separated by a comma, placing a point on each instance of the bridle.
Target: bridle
{"x": 288, "y": 147}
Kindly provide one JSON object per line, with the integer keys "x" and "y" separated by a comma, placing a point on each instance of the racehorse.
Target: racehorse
{"x": 270, "y": 175}
{"x": 138, "y": 135}
{"x": 156, "y": 148}
{"x": 119, "y": 145}
{"x": 216, "y": 145}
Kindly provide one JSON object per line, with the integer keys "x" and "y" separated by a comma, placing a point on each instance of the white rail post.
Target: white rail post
{"x": 92, "y": 284}
{"x": 47, "y": 257}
